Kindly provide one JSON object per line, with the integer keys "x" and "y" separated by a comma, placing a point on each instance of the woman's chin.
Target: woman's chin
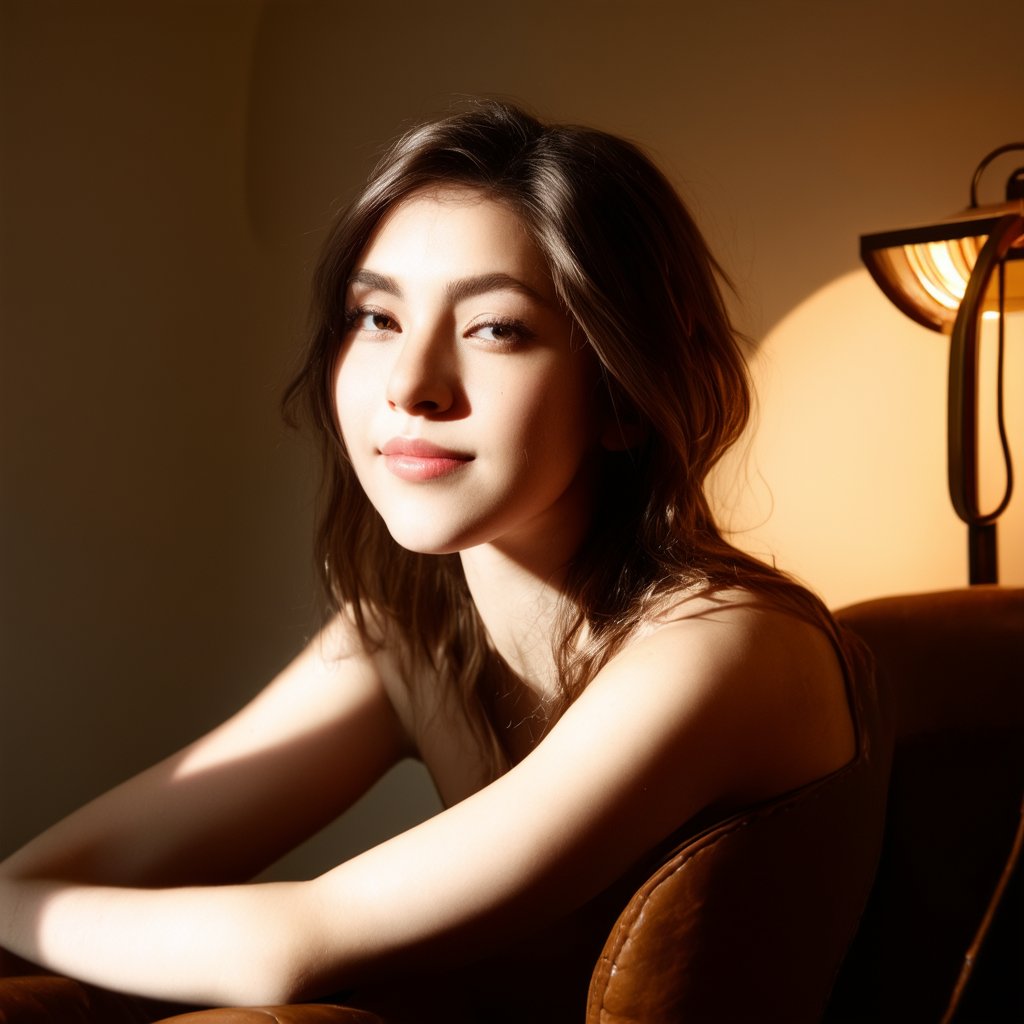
{"x": 425, "y": 541}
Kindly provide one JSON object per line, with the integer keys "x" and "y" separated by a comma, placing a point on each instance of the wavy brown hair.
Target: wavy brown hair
{"x": 636, "y": 277}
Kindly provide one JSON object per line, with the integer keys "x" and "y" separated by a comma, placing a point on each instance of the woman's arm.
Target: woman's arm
{"x": 731, "y": 707}
{"x": 234, "y": 801}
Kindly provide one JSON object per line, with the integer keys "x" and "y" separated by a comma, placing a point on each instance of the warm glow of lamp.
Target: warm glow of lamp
{"x": 947, "y": 276}
{"x": 925, "y": 270}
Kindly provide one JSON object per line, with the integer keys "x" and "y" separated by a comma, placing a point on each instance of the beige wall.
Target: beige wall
{"x": 166, "y": 172}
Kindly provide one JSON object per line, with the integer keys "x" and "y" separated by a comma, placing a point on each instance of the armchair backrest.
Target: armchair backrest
{"x": 954, "y": 663}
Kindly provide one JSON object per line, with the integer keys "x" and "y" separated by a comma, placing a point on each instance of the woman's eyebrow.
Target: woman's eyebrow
{"x": 463, "y": 288}
{"x": 468, "y": 287}
{"x": 378, "y": 282}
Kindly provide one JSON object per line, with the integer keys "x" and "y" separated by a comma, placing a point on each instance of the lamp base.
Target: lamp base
{"x": 983, "y": 566}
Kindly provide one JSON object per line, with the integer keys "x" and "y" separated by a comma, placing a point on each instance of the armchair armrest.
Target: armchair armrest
{"x": 299, "y": 1013}
{"x": 50, "y": 999}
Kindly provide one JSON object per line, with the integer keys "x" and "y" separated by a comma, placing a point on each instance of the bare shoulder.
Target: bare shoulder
{"x": 735, "y": 628}
{"x": 767, "y": 685}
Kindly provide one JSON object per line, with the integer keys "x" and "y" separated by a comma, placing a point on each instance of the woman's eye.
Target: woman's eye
{"x": 502, "y": 332}
{"x": 371, "y": 321}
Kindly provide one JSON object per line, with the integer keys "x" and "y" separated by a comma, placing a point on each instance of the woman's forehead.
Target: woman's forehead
{"x": 454, "y": 231}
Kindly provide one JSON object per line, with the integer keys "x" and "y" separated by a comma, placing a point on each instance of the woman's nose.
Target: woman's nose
{"x": 422, "y": 377}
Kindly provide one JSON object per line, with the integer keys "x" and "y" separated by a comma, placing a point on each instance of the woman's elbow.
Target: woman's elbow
{"x": 291, "y": 963}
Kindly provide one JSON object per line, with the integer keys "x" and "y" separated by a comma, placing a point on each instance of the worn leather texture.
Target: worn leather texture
{"x": 48, "y": 999}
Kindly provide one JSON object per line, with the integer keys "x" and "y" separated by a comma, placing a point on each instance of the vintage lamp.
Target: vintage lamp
{"x": 946, "y": 276}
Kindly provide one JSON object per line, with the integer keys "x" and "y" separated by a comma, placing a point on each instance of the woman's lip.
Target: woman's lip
{"x": 417, "y": 448}
{"x": 416, "y": 459}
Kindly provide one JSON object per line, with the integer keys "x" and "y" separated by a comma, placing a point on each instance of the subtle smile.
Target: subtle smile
{"x": 418, "y": 460}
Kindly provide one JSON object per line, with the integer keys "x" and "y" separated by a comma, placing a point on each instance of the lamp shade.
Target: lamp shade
{"x": 925, "y": 270}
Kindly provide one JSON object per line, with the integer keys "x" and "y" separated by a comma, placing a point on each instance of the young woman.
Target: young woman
{"x": 522, "y": 374}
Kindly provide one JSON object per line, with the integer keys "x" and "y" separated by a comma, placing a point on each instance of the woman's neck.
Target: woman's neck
{"x": 518, "y": 584}
{"x": 519, "y": 606}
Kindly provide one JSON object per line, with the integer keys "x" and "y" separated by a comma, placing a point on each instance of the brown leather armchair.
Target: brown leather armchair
{"x": 954, "y": 664}
{"x": 749, "y": 920}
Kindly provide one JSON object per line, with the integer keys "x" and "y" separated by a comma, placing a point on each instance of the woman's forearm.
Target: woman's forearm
{"x": 216, "y": 945}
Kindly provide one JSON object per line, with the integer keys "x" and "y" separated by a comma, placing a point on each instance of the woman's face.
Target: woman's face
{"x": 465, "y": 400}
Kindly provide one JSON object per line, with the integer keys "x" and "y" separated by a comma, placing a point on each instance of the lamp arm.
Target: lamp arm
{"x": 980, "y": 169}
{"x": 963, "y": 382}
